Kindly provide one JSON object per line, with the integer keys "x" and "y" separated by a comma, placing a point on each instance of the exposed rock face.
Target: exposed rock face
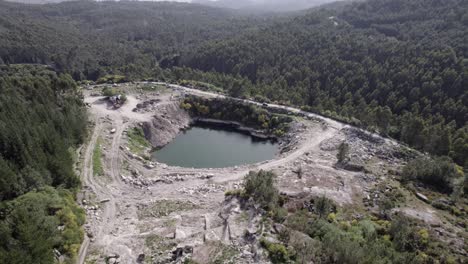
{"x": 166, "y": 124}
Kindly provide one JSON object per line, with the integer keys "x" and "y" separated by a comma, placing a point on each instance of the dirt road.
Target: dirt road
{"x": 115, "y": 224}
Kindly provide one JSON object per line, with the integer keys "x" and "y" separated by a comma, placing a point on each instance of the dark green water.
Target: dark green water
{"x": 202, "y": 147}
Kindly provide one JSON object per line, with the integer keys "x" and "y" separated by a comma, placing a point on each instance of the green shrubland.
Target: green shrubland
{"x": 322, "y": 234}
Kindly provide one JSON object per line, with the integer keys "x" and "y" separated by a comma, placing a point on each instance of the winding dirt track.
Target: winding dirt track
{"x": 108, "y": 232}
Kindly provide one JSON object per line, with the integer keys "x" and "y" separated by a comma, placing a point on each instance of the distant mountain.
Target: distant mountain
{"x": 265, "y": 5}
{"x": 245, "y": 5}
{"x": 38, "y": 2}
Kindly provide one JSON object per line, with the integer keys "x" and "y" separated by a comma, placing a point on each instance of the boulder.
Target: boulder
{"x": 351, "y": 166}
{"x": 141, "y": 258}
{"x": 179, "y": 234}
{"x": 422, "y": 197}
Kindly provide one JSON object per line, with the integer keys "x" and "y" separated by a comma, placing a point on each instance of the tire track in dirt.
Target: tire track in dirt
{"x": 111, "y": 234}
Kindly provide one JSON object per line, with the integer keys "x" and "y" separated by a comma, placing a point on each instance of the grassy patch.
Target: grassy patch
{"x": 276, "y": 251}
{"x": 237, "y": 193}
{"x": 242, "y": 217}
{"x": 137, "y": 142}
{"x": 222, "y": 253}
{"x": 163, "y": 208}
{"x": 170, "y": 223}
{"x": 97, "y": 159}
{"x": 159, "y": 244}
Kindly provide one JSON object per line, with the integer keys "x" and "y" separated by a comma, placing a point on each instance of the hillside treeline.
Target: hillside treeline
{"x": 399, "y": 67}
{"x": 42, "y": 121}
{"x": 90, "y": 39}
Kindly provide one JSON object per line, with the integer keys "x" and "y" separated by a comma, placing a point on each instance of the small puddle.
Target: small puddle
{"x": 214, "y": 147}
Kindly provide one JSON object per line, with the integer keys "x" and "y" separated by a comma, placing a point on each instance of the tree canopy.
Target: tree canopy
{"x": 42, "y": 120}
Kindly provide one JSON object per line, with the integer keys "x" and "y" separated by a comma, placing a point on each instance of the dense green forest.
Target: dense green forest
{"x": 42, "y": 121}
{"x": 397, "y": 67}
{"x": 90, "y": 39}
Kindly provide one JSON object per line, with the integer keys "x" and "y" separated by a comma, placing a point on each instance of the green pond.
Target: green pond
{"x": 209, "y": 147}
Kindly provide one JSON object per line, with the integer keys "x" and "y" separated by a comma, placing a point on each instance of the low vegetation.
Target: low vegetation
{"x": 97, "y": 158}
{"x": 137, "y": 142}
{"x": 110, "y": 92}
{"x": 260, "y": 187}
{"x": 277, "y": 252}
{"x": 223, "y": 254}
{"x": 36, "y": 223}
{"x": 159, "y": 244}
{"x": 163, "y": 208}
{"x": 343, "y": 153}
{"x": 438, "y": 173}
{"x": 321, "y": 232}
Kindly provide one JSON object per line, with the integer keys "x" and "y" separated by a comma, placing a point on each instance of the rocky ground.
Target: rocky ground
{"x": 142, "y": 211}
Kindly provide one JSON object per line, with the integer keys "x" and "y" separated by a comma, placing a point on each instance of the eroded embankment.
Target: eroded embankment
{"x": 167, "y": 122}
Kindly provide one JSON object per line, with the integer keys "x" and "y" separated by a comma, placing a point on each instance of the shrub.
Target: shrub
{"x": 299, "y": 221}
{"x": 237, "y": 193}
{"x": 440, "y": 173}
{"x": 276, "y": 251}
{"x": 405, "y": 237}
{"x": 108, "y": 91}
{"x": 331, "y": 217}
{"x": 423, "y": 236}
{"x": 260, "y": 187}
{"x": 358, "y": 245}
{"x": 343, "y": 152}
{"x": 324, "y": 206}
{"x": 279, "y": 214}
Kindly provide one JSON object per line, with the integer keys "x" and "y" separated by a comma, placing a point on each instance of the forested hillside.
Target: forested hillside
{"x": 42, "y": 121}
{"x": 397, "y": 66}
{"x": 91, "y": 39}
{"x": 264, "y": 5}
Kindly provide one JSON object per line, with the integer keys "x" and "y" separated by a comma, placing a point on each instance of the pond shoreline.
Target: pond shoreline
{"x": 215, "y": 146}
